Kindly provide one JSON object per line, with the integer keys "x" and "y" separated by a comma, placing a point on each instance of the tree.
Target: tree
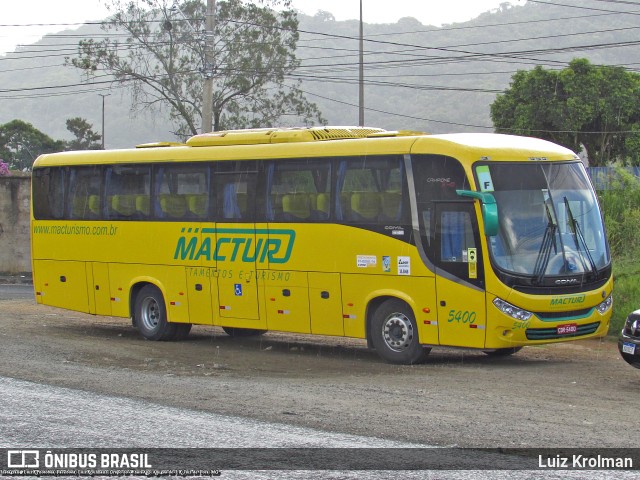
{"x": 85, "y": 137}
{"x": 21, "y": 143}
{"x": 163, "y": 61}
{"x": 583, "y": 107}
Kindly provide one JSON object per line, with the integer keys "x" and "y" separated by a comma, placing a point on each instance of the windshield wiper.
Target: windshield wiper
{"x": 581, "y": 243}
{"x": 548, "y": 241}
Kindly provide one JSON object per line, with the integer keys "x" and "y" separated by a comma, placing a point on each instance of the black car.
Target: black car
{"x": 629, "y": 341}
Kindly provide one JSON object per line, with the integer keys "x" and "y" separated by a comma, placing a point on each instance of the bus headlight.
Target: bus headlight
{"x": 606, "y": 305}
{"x": 512, "y": 311}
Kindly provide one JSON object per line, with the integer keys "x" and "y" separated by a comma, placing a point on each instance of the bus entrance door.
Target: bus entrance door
{"x": 236, "y": 252}
{"x": 460, "y": 276}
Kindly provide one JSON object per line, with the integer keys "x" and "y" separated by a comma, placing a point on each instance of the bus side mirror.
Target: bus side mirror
{"x": 489, "y": 210}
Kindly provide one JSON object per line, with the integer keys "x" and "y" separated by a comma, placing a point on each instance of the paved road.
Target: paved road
{"x": 15, "y": 291}
{"x": 33, "y": 415}
{"x": 47, "y": 417}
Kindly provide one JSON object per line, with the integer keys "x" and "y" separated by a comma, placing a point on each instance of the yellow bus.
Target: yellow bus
{"x": 407, "y": 240}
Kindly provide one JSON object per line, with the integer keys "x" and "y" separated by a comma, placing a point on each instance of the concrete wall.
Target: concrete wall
{"x": 15, "y": 239}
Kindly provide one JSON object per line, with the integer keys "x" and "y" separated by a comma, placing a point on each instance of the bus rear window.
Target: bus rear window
{"x": 48, "y": 186}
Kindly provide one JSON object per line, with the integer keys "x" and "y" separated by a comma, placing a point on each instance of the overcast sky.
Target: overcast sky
{"x": 50, "y": 12}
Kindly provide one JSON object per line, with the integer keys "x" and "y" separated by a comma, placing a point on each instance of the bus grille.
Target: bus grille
{"x": 555, "y": 316}
{"x": 551, "y": 333}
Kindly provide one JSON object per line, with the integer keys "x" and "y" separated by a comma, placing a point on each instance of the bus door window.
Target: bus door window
{"x": 238, "y": 248}
{"x": 457, "y": 241}
{"x": 128, "y": 192}
{"x": 461, "y": 299}
{"x": 436, "y": 179}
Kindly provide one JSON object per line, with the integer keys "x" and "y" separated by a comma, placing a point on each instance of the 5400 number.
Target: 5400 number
{"x": 461, "y": 317}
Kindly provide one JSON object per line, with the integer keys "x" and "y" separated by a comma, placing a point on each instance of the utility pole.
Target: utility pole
{"x": 361, "y": 76}
{"x": 103, "y": 95}
{"x": 207, "y": 95}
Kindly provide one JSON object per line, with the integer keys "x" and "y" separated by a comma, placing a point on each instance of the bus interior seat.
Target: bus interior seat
{"x": 94, "y": 205}
{"x": 197, "y": 205}
{"x": 296, "y": 206}
{"x": 123, "y": 205}
{"x": 173, "y": 206}
{"x": 323, "y": 205}
{"x": 365, "y": 205}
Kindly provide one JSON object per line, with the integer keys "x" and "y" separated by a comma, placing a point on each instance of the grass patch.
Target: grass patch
{"x": 626, "y": 291}
{"x": 621, "y": 211}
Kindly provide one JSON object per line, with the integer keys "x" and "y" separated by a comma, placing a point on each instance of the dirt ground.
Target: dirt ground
{"x": 576, "y": 394}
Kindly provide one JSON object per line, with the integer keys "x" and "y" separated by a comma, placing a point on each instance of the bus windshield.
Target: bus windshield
{"x": 549, "y": 220}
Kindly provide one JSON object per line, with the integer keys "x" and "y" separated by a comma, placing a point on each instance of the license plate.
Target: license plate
{"x": 629, "y": 348}
{"x": 567, "y": 329}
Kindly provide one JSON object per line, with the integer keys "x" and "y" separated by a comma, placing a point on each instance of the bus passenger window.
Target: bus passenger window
{"x": 299, "y": 190}
{"x": 128, "y": 191}
{"x": 234, "y": 185}
{"x": 182, "y": 191}
{"x": 49, "y": 193}
{"x": 84, "y": 193}
{"x": 372, "y": 190}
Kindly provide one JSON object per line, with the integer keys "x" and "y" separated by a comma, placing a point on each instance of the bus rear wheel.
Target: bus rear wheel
{"x": 243, "y": 332}
{"x": 394, "y": 334}
{"x": 150, "y": 316}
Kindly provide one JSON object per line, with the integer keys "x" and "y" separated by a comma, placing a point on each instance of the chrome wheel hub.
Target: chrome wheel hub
{"x": 150, "y": 313}
{"x": 397, "y": 331}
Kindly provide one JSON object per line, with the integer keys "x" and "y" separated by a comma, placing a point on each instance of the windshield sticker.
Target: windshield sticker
{"x": 366, "y": 261}
{"x": 484, "y": 178}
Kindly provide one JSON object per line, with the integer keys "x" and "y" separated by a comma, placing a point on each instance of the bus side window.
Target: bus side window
{"x": 372, "y": 190}
{"x": 84, "y": 193}
{"x": 128, "y": 190}
{"x": 234, "y": 185}
{"x": 181, "y": 192}
{"x": 49, "y": 185}
{"x": 298, "y": 191}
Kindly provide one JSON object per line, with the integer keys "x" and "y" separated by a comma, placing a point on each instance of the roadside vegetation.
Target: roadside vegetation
{"x": 621, "y": 209}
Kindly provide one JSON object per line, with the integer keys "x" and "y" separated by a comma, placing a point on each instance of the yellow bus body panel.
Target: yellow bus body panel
{"x": 298, "y": 277}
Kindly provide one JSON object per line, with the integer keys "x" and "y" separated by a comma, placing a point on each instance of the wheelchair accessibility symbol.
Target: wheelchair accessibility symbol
{"x": 238, "y": 289}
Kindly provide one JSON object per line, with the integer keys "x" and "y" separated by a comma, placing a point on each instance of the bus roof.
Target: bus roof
{"x": 316, "y": 141}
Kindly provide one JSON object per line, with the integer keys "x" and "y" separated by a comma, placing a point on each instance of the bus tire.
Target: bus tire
{"x": 243, "y": 332}
{"x": 151, "y": 315}
{"x": 394, "y": 334}
{"x": 502, "y": 352}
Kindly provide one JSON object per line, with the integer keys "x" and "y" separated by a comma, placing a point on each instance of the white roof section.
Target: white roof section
{"x": 507, "y": 142}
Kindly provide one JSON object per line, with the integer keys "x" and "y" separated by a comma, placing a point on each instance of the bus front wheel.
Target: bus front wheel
{"x": 394, "y": 333}
{"x": 150, "y": 315}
